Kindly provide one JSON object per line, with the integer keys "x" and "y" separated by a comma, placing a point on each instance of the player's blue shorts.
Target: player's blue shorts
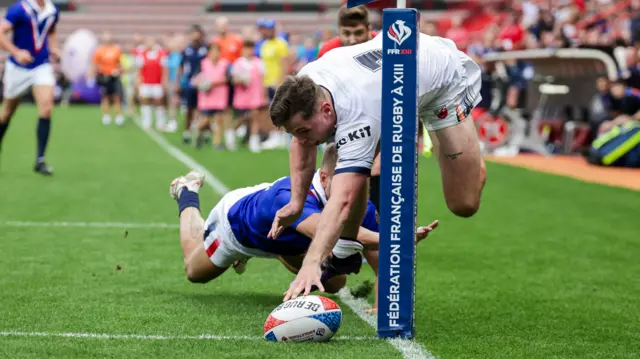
{"x": 189, "y": 97}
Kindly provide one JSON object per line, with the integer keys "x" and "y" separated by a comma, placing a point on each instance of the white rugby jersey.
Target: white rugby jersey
{"x": 449, "y": 84}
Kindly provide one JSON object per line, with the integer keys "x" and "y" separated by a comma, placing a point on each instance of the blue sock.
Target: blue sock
{"x": 188, "y": 199}
{"x": 44, "y": 127}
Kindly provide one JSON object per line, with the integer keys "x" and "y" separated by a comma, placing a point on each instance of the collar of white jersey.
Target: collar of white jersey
{"x": 43, "y": 12}
{"x": 317, "y": 190}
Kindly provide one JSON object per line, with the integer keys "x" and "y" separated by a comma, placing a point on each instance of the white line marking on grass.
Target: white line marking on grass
{"x": 216, "y": 184}
{"x": 155, "y": 336}
{"x": 409, "y": 349}
{"x": 122, "y": 225}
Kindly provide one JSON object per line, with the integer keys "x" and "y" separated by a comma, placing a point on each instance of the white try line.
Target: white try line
{"x": 409, "y": 349}
{"x": 120, "y": 225}
{"x": 157, "y": 337}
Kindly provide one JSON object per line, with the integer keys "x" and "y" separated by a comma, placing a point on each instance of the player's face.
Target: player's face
{"x": 316, "y": 130}
{"x": 353, "y": 35}
{"x": 195, "y": 36}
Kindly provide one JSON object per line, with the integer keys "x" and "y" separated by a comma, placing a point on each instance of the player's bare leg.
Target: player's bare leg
{"x": 9, "y": 107}
{"x": 219, "y": 120}
{"x": 331, "y": 285}
{"x": 202, "y": 129}
{"x": 161, "y": 114}
{"x": 254, "y": 131}
{"x": 146, "y": 113}
{"x": 461, "y": 166}
{"x": 198, "y": 267}
{"x": 117, "y": 108}
{"x": 229, "y": 131}
{"x": 43, "y": 95}
{"x": 105, "y": 107}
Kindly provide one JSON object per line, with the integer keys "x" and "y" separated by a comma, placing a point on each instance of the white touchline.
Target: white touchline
{"x": 121, "y": 225}
{"x": 409, "y": 349}
{"x": 154, "y": 336}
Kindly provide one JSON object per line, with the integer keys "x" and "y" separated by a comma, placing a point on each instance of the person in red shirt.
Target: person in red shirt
{"x": 353, "y": 29}
{"x": 152, "y": 64}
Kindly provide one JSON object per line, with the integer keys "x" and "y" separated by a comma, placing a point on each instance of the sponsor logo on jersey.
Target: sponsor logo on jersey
{"x": 358, "y": 134}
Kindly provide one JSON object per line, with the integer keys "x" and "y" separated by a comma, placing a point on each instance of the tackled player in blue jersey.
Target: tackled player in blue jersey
{"x": 33, "y": 23}
{"x": 237, "y": 228}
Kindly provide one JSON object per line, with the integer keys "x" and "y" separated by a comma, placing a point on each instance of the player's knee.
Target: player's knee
{"x": 45, "y": 109}
{"x": 195, "y": 275}
{"x": 464, "y": 208}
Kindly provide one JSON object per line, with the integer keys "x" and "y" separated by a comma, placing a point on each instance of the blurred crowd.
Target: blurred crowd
{"x": 255, "y": 60}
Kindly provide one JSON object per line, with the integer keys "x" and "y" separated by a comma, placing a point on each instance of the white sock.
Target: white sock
{"x": 161, "y": 118}
{"x": 106, "y": 119}
{"x": 147, "y": 116}
{"x": 254, "y": 143}
{"x": 119, "y": 120}
{"x": 230, "y": 139}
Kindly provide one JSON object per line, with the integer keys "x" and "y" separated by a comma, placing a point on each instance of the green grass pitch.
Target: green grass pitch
{"x": 549, "y": 267}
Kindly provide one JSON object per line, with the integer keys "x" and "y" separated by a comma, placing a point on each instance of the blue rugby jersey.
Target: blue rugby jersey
{"x": 251, "y": 218}
{"x": 31, "y": 29}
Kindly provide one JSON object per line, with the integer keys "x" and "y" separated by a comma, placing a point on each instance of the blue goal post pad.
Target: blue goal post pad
{"x": 399, "y": 175}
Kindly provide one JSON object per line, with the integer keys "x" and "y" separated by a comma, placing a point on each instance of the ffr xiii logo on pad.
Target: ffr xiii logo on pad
{"x": 399, "y": 33}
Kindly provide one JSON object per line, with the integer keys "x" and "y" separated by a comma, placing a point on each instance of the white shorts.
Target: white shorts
{"x": 155, "y": 92}
{"x": 452, "y": 104}
{"x": 220, "y": 243}
{"x": 17, "y": 80}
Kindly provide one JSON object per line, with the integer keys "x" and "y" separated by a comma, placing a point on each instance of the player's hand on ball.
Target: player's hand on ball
{"x": 308, "y": 276}
{"x": 423, "y": 232}
{"x": 23, "y": 57}
{"x": 285, "y": 218}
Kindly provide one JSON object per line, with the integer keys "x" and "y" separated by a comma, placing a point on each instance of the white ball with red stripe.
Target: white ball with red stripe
{"x": 309, "y": 318}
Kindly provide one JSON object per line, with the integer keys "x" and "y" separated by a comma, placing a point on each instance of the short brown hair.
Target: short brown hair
{"x": 296, "y": 95}
{"x": 329, "y": 157}
{"x": 353, "y": 17}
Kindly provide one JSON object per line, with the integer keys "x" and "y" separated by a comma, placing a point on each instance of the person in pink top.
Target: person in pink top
{"x": 247, "y": 74}
{"x": 213, "y": 95}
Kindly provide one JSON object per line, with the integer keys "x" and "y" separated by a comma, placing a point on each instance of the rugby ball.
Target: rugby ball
{"x": 309, "y": 318}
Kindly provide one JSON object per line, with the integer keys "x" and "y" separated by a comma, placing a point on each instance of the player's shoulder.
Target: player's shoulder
{"x": 15, "y": 9}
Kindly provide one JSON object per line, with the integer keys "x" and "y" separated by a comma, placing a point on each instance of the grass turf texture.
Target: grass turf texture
{"x": 547, "y": 269}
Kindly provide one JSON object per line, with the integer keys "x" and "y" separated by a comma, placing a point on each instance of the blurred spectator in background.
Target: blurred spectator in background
{"x": 429, "y": 27}
{"x": 353, "y": 28}
{"x": 457, "y": 33}
{"x": 274, "y": 53}
{"x": 153, "y": 81}
{"x": 175, "y": 46}
{"x": 629, "y": 106}
{"x": 231, "y": 46}
{"x": 192, "y": 57}
{"x": 248, "y": 78}
{"x": 213, "y": 97}
{"x": 127, "y": 78}
{"x": 106, "y": 71}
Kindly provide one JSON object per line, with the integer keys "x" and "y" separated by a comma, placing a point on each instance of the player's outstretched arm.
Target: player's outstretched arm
{"x": 342, "y": 214}
{"x": 302, "y": 161}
